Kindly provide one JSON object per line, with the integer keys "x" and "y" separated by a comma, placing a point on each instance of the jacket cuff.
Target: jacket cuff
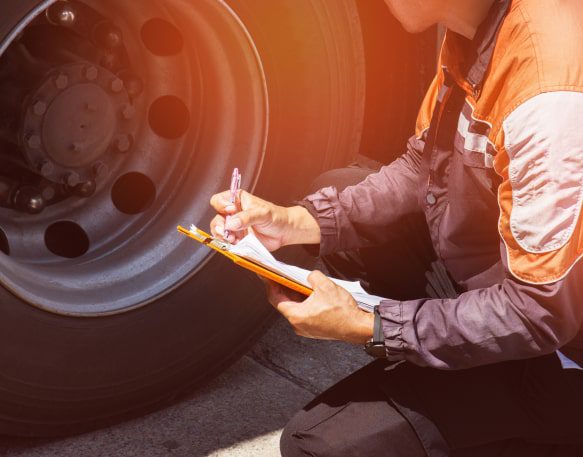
{"x": 321, "y": 207}
{"x": 311, "y": 249}
{"x": 391, "y": 312}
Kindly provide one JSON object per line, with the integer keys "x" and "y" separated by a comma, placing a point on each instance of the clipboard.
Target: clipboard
{"x": 223, "y": 249}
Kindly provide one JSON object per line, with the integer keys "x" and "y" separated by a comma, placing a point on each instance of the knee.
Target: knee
{"x": 289, "y": 442}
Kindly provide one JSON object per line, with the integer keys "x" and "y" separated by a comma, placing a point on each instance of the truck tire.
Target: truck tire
{"x": 118, "y": 123}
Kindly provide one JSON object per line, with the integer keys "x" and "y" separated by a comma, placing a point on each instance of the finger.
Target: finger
{"x": 319, "y": 280}
{"x": 248, "y": 218}
{"x": 276, "y": 293}
{"x": 222, "y": 203}
{"x": 218, "y": 226}
{"x": 287, "y": 308}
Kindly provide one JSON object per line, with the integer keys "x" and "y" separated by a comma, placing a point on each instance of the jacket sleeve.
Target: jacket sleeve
{"x": 508, "y": 321}
{"x": 362, "y": 215}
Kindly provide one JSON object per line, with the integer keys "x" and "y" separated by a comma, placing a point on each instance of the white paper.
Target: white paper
{"x": 252, "y": 249}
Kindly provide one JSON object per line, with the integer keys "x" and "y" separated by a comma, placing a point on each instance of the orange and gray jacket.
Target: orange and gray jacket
{"x": 496, "y": 166}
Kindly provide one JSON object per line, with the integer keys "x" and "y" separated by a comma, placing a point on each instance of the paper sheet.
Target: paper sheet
{"x": 252, "y": 249}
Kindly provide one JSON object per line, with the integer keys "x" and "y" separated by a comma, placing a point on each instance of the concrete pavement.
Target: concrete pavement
{"x": 238, "y": 414}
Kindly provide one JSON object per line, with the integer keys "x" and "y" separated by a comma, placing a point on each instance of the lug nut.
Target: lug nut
{"x": 45, "y": 168}
{"x": 48, "y": 193}
{"x": 134, "y": 86}
{"x": 71, "y": 179}
{"x": 128, "y": 112}
{"x": 34, "y": 142}
{"x": 62, "y": 81}
{"x": 116, "y": 85}
{"x": 109, "y": 61}
{"x": 100, "y": 170}
{"x": 91, "y": 73}
{"x": 123, "y": 143}
{"x": 39, "y": 108}
{"x": 29, "y": 200}
{"x": 86, "y": 189}
{"x": 107, "y": 35}
{"x": 62, "y": 13}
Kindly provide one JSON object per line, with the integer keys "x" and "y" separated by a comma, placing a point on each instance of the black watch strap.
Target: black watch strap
{"x": 378, "y": 335}
{"x": 376, "y": 346}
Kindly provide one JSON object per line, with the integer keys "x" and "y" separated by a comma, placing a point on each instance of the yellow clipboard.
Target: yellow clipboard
{"x": 222, "y": 248}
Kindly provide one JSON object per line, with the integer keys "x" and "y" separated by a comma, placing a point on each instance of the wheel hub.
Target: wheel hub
{"x": 79, "y": 126}
{"x": 73, "y": 123}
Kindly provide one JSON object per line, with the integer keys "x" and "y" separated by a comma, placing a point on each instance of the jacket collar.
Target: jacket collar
{"x": 470, "y": 60}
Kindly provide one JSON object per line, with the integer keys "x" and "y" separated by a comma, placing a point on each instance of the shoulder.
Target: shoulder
{"x": 543, "y": 40}
{"x": 538, "y": 50}
{"x": 557, "y": 38}
{"x": 542, "y": 196}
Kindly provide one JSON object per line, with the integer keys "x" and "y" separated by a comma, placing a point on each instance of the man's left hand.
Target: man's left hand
{"x": 330, "y": 313}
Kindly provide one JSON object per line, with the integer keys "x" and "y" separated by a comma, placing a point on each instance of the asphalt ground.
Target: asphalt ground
{"x": 240, "y": 413}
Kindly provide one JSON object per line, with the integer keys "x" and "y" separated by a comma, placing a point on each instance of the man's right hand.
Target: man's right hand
{"x": 275, "y": 226}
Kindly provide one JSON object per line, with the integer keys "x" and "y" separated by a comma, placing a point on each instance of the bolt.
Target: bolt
{"x": 129, "y": 111}
{"x": 109, "y": 60}
{"x": 134, "y": 85}
{"x": 62, "y": 81}
{"x": 71, "y": 179}
{"x": 45, "y": 168}
{"x": 48, "y": 193}
{"x": 86, "y": 189}
{"x": 39, "y": 108}
{"x": 116, "y": 85}
{"x": 63, "y": 14}
{"x": 91, "y": 73}
{"x": 123, "y": 143}
{"x": 29, "y": 199}
{"x": 67, "y": 16}
{"x": 108, "y": 35}
{"x": 100, "y": 170}
{"x": 34, "y": 142}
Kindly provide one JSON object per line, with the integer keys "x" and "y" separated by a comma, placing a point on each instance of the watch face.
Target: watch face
{"x": 376, "y": 350}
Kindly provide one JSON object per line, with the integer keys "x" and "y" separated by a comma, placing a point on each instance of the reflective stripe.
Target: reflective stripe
{"x": 475, "y": 142}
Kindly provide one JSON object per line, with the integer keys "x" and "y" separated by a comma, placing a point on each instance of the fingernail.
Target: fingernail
{"x": 234, "y": 223}
{"x": 230, "y": 209}
{"x": 220, "y": 230}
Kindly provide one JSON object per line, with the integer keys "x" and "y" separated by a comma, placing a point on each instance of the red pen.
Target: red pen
{"x": 235, "y": 186}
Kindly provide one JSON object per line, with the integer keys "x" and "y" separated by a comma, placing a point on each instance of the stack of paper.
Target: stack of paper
{"x": 252, "y": 249}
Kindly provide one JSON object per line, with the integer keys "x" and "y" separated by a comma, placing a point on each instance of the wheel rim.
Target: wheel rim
{"x": 202, "y": 111}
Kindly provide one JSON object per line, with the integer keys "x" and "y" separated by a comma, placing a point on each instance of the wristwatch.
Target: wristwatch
{"x": 375, "y": 347}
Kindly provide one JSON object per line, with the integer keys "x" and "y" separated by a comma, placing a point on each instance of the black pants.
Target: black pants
{"x": 527, "y": 408}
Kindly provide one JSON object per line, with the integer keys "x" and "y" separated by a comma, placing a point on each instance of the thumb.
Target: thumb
{"x": 287, "y": 308}
{"x": 319, "y": 280}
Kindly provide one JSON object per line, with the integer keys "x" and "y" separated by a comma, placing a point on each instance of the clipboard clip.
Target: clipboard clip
{"x": 207, "y": 239}
{"x": 218, "y": 244}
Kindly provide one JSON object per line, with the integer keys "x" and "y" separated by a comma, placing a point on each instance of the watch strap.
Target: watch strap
{"x": 376, "y": 346}
{"x": 378, "y": 336}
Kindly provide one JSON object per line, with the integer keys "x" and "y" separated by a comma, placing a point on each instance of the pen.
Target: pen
{"x": 235, "y": 186}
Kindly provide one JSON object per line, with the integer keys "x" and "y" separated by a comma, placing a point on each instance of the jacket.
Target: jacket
{"x": 496, "y": 166}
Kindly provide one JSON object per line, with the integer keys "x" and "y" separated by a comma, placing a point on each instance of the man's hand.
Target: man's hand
{"x": 275, "y": 226}
{"x": 330, "y": 313}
